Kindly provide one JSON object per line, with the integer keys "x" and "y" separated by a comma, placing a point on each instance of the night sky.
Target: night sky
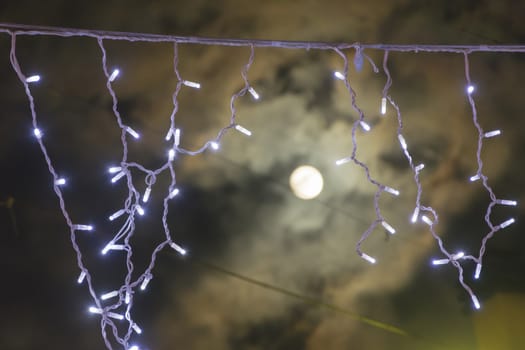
{"x": 236, "y": 213}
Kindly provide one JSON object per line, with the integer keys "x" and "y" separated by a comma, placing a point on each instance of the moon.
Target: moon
{"x": 306, "y": 182}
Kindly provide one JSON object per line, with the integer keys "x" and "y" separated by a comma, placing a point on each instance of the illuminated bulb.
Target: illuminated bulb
{"x": 178, "y": 248}
{"x": 470, "y": 89}
{"x": 440, "y": 261}
{"x": 127, "y": 298}
{"x": 168, "y": 135}
{"x": 506, "y": 202}
{"x": 243, "y": 130}
{"x": 33, "y": 79}
{"x": 343, "y": 161}
{"x": 419, "y": 167}
{"x": 114, "y": 75}
{"x": 475, "y": 301}
{"x": 114, "y": 169}
{"x": 140, "y": 210}
{"x": 134, "y": 347}
{"x": 364, "y": 125}
{"x": 368, "y": 258}
{"x": 37, "y": 133}
{"x": 458, "y": 255}
{"x": 95, "y": 310}
{"x": 214, "y": 145}
{"x": 426, "y": 220}
{"x": 146, "y": 195}
{"x": 402, "y": 142}
{"x": 115, "y": 316}
{"x": 171, "y": 155}
{"x": 391, "y": 190}
{"x": 136, "y": 329}
{"x": 177, "y": 137}
{"x": 173, "y": 193}
{"x": 387, "y": 227}
{"x": 106, "y": 248}
{"x": 132, "y": 132}
{"x": 111, "y": 246}
{"x": 109, "y": 295}
{"x": 83, "y": 227}
{"x": 116, "y": 214}
{"x": 415, "y": 215}
{"x": 492, "y": 133}
{"x": 383, "y": 105}
{"x": 81, "y": 277}
{"x": 478, "y": 271}
{"x": 145, "y": 282}
{"x": 507, "y": 223}
{"x": 254, "y": 93}
{"x": 474, "y": 178}
{"x": 339, "y": 75}
{"x": 191, "y": 84}
{"x": 60, "y": 181}
{"x": 117, "y": 177}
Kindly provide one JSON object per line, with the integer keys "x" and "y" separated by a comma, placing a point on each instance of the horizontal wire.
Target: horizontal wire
{"x": 26, "y": 29}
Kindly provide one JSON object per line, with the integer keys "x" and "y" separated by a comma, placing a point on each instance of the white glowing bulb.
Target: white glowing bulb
{"x": 306, "y": 182}
{"x": 109, "y": 295}
{"x": 132, "y": 132}
{"x": 475, "y": 301}
{"x": 191, "y": 84}
{"x": 168, "y": 135}
{"x": 111, "y": 246}
{"x": 415, "y": 215}
{"x": 114, "y": 169}
{"x": 254, "y": 93}
{"x": 173, "y": 193}
{"x": 178, "y": 248}
{"x": 106, "y": 248}
{"x": 392, "y": 191}
{"x": 117, "y": 177}
{"x": 478, "y": 271}
{"x": 37, "y": 132}
{"x": 136, "y": 329}
{"x": 33, "y": 79}
{"x": 177, "y": 137}
{"x": 61, "y": 181}
{"x": 116, "y": 214}
{"x": 458, "y": 255}
{"x": 507, "y": 223}
{"x": 171, "y": 155}
{"x": 419, "y": 167}
{"x": 343, "y": 161}
{"x": 127, "y": 298}
{"x": 402, "y": 142}
{"x": 364, "y": 125}
{"x": 474, "y": 178}
{"x": 145, "y": 282}
{"x": 83, "y": 227}
{"x": 134, "y": 347}
{"x": 387, "y": 227}
{"x": 339, "y": 75}
{"x": 81, "y": 277}
{"x": 114, "y": 75}
{"x": 95, "y": 310}
{"x": 146, "y": 195}
{"x": 140, "y": 210}
{"x": 440, "y": 261}
{"x": 368, "y": 258}
{"x": 243, "y": 130}
{"x": 492, "y": 133}
{"x": 115, "y": 316}
{"x": 383, "y": 105}
{"x": 506, "y": 202}
{"x": 470, "y": 89}
{"x": 214, "y": 145}
{"x": 426, "y": 220}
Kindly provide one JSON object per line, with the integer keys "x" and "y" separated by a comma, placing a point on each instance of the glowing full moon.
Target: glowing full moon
{"x": 306, "y": 182}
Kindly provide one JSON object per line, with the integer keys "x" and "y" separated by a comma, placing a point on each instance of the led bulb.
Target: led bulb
{"x": 134, "y": 347}
{"x": 387, "y": 227}
{"x": 109, "y": 295}
{"x": 177, "y": 137}
{"x": 426, "y": 220}
{"x": 402, "y": 142}
{"x": 136, "y": 329}
{"x": 81, "y": 277}
{"x": 419, "y": 167}
{"x": 111, "y": 246}
{"x": 61, "y": 181}
{"x": 95, "y": 310}
{"x": 383, "y": 106}
{"x": 114, "y": 75}
{"x": 114, "y": 169}
{"x": 191, "y": 84}
{"x": 214, "y": 145}
{"x": 145, "y": 282}
{"x": 243, "y": 130}
{"x": 254, "y": 93}
{"x": 507, "y": 223}
{"x": 37, "y": 132}
{"x": 470, "y": 89}
{"x": 168, "y": 135}
{"x": 116, "y": 214}
{"x": 507, "y": 202}
{"x": 140, "y": 210}
{"x": 415, "y": 215}
{"x": 83, "y": 227}
{"x": 391, "y": 190}
{"x": 127, "y": 298}
{"x": 492, "y": 133}
{"x": 440, "y": 261}
{"x": 474, "y": 178}
{"x": 171, "y": 155}
{"x": 458, "y": 255}
{"x": 132, "y": 132}
{"x": 475, "y": 301}
{"x": 343, "y": 161}
{"x": 478, "y": 271}
{"x": 146, "y": 195}
{"x": 115, "y": 316}
{"x": 364, "y": 125}
{"x": 33, "y": 79}
{"x": 173, "y": 193}
{"x": 368, "y": 258}
{"x": 339, "y": 75}
{"x": 178, "y": 248}
{"x": 118, "y": 177}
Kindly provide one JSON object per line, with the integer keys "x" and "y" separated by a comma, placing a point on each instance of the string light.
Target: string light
{"x": 131, "y": 206}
